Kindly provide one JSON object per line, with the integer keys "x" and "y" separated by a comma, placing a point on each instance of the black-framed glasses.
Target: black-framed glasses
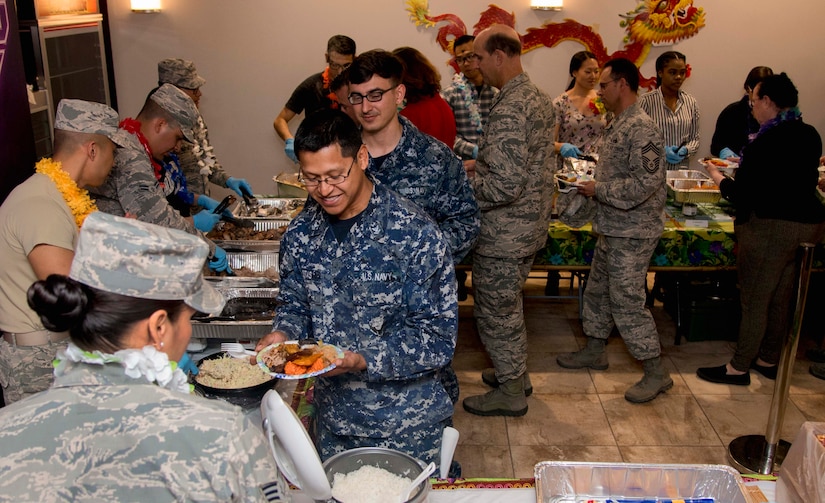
{"x": 374, "y": 96}
{"x": 338, "y": 66}
{"x": 467, "y": 58}
{"x": 330, "y": 180}
{"x": 603, "y": 85}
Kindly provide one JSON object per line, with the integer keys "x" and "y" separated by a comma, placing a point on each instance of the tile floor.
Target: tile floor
{"x": 581, "y": 415}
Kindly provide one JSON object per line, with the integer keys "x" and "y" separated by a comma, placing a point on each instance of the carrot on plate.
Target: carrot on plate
{"x": 318, "y": 365}
{"x": 293, "y": 369}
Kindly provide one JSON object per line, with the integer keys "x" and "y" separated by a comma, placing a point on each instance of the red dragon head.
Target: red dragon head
{"x": 656, "y": 21}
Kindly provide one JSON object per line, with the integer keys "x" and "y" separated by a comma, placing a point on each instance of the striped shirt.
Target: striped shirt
{"x": 680, "y": 128}
{"x": 468, "y": 133}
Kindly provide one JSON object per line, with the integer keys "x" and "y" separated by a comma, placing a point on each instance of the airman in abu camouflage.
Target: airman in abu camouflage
{"x": 368, "y": 271}
{"x": 630, "y": 194}
{"x": 38, "y": 233}
{"x": 120, "y": 423}
{"x": 513, "y": 186}
{"x": 133, "y": 187}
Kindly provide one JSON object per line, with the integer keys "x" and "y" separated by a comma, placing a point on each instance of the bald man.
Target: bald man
{"x": 512, "y": 181}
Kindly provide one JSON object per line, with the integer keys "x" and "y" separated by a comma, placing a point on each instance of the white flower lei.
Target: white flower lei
{"x": 148, "y": 362}
{"x": 460, "y": 82}
{"x": 202, "y": 150}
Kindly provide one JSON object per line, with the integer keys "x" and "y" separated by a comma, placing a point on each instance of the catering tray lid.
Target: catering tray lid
{"x": 292, "y": 448}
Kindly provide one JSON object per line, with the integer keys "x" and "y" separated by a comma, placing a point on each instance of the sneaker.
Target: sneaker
{"x": 488, "y": 377}
{"x": 719, "y": 375}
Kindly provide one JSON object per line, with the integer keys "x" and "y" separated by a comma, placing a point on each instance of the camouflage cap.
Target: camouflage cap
{"x": 180, "y": 107}
{"x": 89, "y": 117}
{"x": 138, "y": 259}
{"x": 179, "y": 72}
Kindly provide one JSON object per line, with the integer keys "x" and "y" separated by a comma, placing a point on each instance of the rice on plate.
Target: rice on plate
{"x": 226, "y": 372}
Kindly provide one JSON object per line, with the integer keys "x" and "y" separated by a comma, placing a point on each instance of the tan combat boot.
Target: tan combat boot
{"x": 506, "y": 400}
{"x": 656, "y": 380}
{"x": 592, "y": 356}
{"x": 489, "y": 378}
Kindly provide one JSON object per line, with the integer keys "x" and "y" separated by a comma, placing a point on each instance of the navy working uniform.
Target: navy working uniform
{"x": 387, "y": 291}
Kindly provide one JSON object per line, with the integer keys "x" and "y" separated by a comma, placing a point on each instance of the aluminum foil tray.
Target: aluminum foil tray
{"x": 224, "y": 282}
{"x": 578, "y": 482}
{"x": 243, "y": 330}
{"x": 693, "y": 190}
{"x": 250, "y": 293}
{"x": 687, "y": 174}
{"x": 257, "y": 262}
{"x": 234, "y": 245}
{"x": 279, "y": 208}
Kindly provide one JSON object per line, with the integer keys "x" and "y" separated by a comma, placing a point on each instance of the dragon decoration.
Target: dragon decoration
{"x": 651, "y": 22}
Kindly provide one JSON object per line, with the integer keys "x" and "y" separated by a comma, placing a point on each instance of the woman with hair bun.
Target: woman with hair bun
{"x": 770, "y": 225}
{"x": 119, "y": 423}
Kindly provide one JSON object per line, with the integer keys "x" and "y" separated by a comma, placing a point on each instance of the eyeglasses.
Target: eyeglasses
{"x": 467, "y": 58}
{"x": 330, "y": 180}
{"x": 603, "y": 85}
{"x": 338, "y": 67}
{"x": 374, "y": 96}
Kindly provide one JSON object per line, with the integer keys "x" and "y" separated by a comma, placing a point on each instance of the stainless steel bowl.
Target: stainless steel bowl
{"x": 393, "y": 461}
{"x": 244, "y": 398}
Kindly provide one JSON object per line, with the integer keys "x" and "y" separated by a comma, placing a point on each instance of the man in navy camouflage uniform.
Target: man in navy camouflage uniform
{"x": 414, "y": 164}
{"x": 513, "y": 185}
{"x": 368, "y": 271}
{"x": 630, "y": 194}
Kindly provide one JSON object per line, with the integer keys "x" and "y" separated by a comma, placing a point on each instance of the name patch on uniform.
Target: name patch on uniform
{"x": 378, "y": 276}
{"x": 650, "y": 157}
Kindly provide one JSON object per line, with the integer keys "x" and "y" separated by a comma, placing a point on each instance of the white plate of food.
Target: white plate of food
{"x": 291, "y": 360}
{"x": 727, "y": 167}
{"x": 569, "y": 181}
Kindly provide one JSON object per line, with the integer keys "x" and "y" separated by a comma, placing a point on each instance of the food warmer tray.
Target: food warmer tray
{"x": 691, "y": 186}
{"x": 257, "y": 262}
{"x": 229, "y": 329}
{"x": 573, "y": 482}
{"x": 282, "y": 207}
{"x": 248, "y": 245}
{"x": 224, "y": 282}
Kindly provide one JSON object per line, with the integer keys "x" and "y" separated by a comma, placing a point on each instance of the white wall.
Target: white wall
{"x": 254, "y": 52}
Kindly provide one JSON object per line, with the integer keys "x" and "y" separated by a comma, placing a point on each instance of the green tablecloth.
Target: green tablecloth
{"x": 685, "y": 242}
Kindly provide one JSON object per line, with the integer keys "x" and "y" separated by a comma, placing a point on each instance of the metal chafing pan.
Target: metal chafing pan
{"x": 691, "y": 186}
{"x": 275, "y": 208}
{"x": 572, "y": 482}
{"x": 238, "y": 319}
{"x": 239, "y": 245}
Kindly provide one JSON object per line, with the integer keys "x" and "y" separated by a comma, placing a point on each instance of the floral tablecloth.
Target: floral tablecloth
{"x": 703, "y": 240}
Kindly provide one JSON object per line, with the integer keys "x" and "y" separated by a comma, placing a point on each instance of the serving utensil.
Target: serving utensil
{"x": 224, "y": 204}
{"x": 250, "y": 202}
{"x": 405, "y": 495}
{"x": 236, "y": 350}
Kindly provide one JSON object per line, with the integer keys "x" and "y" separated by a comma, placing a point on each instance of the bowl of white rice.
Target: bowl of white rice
{"x": 233, "y": 380}
{"x": 374, "y": 474}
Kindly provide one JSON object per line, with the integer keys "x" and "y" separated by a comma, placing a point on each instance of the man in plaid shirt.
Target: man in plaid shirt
{"x": 469, "y": 97}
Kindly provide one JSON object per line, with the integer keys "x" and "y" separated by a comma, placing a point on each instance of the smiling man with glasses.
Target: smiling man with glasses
{"x": 369, "y": 272}
{"x": 316, "y": 92}
{"x": 416, "y": 165}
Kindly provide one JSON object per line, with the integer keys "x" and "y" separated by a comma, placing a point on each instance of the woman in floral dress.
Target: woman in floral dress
{"x": 580, "y": 120}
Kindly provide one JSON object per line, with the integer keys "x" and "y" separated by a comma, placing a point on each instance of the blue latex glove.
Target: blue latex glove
{"x": 240, "y": 186}
{"x": 726, "y": 152}
{"x": 671, "y": 155}
{"x": 683, "y": 151}
{"x": 207, "y": 202}
{"x": 290, "y": 149}
{"x": 475, "y": 152}
{"x": 187, "y": 365}
{"x": 205, "y": 220}
{"x": 570, "y": 150}
{"x": 218, "y": 262}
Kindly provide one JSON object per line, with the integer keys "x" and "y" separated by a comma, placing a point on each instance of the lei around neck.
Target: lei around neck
{"x": 468, "y": 97}
{"x": 78, "y": 200}
{"x": 147, "y": 363}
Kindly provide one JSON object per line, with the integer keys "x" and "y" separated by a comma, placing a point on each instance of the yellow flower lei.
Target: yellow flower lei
{"x": 78, "y": 199}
